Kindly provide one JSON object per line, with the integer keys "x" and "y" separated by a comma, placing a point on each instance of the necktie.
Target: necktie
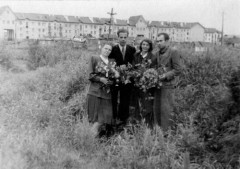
{"x": 123, "y": 52}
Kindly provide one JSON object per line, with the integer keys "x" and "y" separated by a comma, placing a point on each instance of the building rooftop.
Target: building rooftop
{"x": 211, "y": 30}
{"x": 121, "y": 22}
{"x": 133, "y": 20}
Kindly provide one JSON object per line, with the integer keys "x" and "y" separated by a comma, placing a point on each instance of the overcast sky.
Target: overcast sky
{"x": 206, "y": 12}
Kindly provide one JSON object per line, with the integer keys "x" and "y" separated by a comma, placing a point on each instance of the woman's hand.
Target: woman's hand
{"x": 105, "y": 81}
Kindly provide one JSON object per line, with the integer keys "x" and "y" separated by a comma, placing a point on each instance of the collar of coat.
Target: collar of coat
{"x": 162, "y": 51}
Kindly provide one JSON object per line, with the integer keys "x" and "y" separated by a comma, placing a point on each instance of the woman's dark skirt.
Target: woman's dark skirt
{"x": 99, "y": 110}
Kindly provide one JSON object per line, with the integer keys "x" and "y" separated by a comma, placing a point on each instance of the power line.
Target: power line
{"x": 222, "y": 27}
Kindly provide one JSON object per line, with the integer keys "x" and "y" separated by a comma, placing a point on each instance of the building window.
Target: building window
{"x": 42, "y": 30}
{"x": 12, "y": 22}
{"x": 85, "y": 26}
{"x": 8, "y": 22}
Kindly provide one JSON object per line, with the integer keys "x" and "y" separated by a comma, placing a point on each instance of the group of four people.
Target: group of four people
{"x": 109, "y": 108}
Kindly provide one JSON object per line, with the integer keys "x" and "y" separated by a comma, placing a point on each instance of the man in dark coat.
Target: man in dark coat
{"x": 123, "y": 54}
{"x": 163, "y": 97}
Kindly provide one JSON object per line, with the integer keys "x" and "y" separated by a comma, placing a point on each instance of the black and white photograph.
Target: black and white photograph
{"x": 119, "y": 84}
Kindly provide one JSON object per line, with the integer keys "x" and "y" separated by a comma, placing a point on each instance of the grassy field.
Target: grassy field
{"x": 43, "y": 121}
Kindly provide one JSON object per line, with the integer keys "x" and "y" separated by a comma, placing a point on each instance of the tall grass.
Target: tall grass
{"x": 44, "y": 124}
{"x": 5, "y": 57}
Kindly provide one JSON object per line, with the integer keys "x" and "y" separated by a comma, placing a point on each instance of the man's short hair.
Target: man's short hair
{"x": 165, "y": 35}
{"x": 122, "y": 31}
{"x": 149, "y": 42}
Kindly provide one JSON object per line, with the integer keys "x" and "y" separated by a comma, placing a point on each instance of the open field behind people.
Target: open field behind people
{"x": 43, "y": 123}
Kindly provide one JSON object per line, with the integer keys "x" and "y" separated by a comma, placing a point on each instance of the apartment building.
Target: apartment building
{"x": 7, "y": 23}
{"x": 212, "y": 35}
{"x": 19, "y": 26}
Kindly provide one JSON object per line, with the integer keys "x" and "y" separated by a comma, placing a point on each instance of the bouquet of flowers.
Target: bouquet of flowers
{"x": 142, "y": 75}
{"x": 151, "y": 78}
{"x": 125, "y": 73}
{"x": 148, "y": 80}
{"x": 108, "y": 71}
{"x": 132, "y": 74}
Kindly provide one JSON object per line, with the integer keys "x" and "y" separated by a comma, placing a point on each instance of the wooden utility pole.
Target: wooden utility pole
{"x": 110, "y": 22}
{"x": 222, "y": 28}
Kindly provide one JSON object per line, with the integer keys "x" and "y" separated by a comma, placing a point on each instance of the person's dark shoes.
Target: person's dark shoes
{"x": 106, "y": 131}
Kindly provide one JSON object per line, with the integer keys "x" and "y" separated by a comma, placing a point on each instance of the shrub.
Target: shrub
{"x": 5, "y": 58}
{"x": 203, "y": 101}
{"x": 50, "y": 55}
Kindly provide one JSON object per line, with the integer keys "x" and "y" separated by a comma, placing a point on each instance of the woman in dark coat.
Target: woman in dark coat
{"x": 99, "y": 103}
{"x": 140, "y": 100}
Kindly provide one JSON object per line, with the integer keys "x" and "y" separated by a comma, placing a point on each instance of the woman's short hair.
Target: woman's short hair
{"x": 107, "y": 43}
{"x": 149, "y": 42}
{"x": 122, "y": 31}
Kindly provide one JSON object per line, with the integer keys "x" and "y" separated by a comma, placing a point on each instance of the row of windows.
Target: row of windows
{"x": 69, "y": 25}
{"x": 169, "y": 30}
{"x": 41, "y": 35}
{"x": 141, "y": 29}
{"x": 7, "y": 22}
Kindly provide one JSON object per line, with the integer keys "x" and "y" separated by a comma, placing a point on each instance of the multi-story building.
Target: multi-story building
{"x": 36, "y": 26}
{"x": 212, "y": 35}
{"x": 7, "y": 23}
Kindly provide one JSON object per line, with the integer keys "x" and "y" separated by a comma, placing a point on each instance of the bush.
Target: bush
{"x": 203, "y": 101}
{"x": 50, "y": 55}
{"x": 5, "y": 58}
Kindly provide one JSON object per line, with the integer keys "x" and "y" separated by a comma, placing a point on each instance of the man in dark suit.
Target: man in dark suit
{"x": 123, "y": 54}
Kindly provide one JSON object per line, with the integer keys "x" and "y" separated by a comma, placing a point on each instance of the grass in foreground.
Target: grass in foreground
{"x": 39, "y": 128}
